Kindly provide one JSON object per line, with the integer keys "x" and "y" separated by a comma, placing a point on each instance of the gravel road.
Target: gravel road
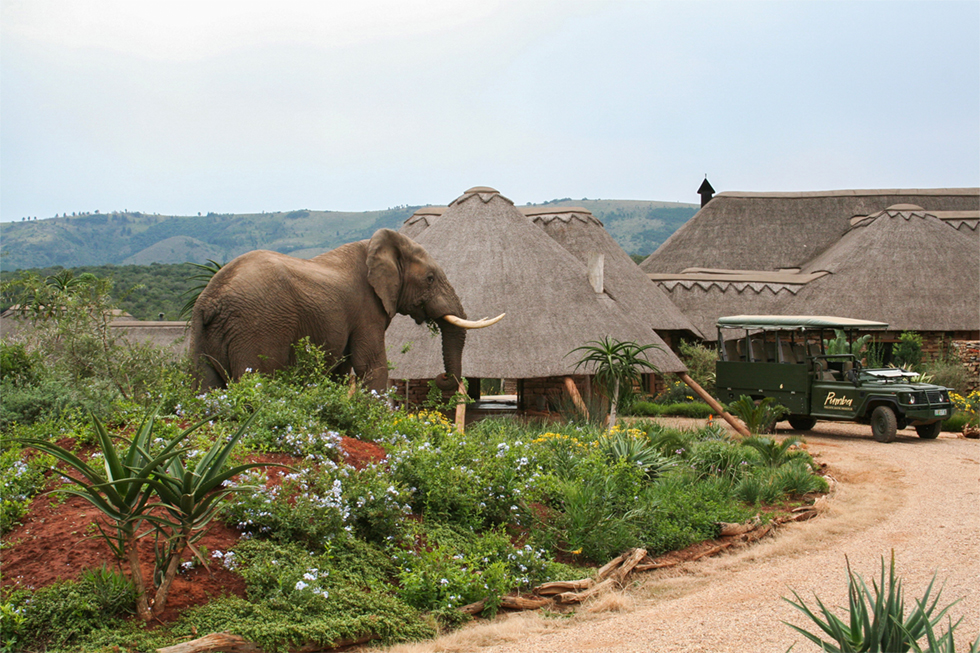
{"x": 919, "y": 498}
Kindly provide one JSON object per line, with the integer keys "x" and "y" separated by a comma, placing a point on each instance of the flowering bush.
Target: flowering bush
{"x": 969, "y": 405}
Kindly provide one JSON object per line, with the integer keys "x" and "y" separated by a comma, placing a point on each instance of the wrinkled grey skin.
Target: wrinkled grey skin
{"x": 261, "y": 303}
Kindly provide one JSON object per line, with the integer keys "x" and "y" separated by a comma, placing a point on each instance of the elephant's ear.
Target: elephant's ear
{"x": 384, "y": 269}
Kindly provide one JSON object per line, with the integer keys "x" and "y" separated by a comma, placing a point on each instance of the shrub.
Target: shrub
{"x": 695, "y": 409}
{"x": 907, "y": 352}
{"x": 62, "y": 613}
{"x": 796, "y": 478}
{"x": 700, "y": 360}
{"x": 722, "y": 459}
{"x": 22, "y": 478}
{"x": 759, "y": 417}
{"x": 950, "y": 374}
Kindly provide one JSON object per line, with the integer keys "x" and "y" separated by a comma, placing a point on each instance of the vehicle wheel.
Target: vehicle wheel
{"x": 801, "y": 422}
{"x": 929, "y": 431}
{"x": 884, "y": 425}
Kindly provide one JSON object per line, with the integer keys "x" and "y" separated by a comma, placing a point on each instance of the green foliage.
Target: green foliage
{"x": 773, "y": 453}
{"x": 700, "y": 360}
{"x": 696, "y": 409}
{"x": 907, "y": 352}
{"x": 877, "y": 617}
{"x": 716, "y": 458}
{"x": 21, "y": 478}
{"x": 840, "y": 345}
{"x": 448, "y": 568}
{"x": 63, "y": 613}
{"x": 635, "y": 451}
{"x": 949, "y": 374}
{"x": 759, "y": 417}
{"x": 70, "y": 358}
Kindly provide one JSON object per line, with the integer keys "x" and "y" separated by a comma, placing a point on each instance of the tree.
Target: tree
{"x": 615, "y": 364}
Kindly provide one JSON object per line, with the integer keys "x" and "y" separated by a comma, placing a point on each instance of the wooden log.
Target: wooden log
{"x": 560, "y": 586}
{"x": 628, "y": 565}
{"x": 229, "y": 643}
{"x": 509, "y": 603}
{"x": 523, "y": 602}
{"x": 608, "y": 568}
{"x": 578, "y": 597}
{"x": 576, "y": 397}
{"x": 715, "y": 406}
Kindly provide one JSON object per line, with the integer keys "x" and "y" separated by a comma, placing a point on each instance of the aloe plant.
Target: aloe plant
{"x": 877, "y": 621}
{"x": 191, "y": 496}
{"x": 758, "y": 417}
{"x": 207, "y": 270}
{"x": 614, "y": 364}
{"x": 121, "y": 490}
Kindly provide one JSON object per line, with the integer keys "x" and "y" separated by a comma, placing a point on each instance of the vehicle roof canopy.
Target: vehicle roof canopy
{"x": 796, "y": 322}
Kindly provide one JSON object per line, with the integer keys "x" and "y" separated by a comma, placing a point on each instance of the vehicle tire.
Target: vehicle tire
{"x": 801, "y": 422}
{"x": 884, "y": 425}
{"x": 929, "y": 431}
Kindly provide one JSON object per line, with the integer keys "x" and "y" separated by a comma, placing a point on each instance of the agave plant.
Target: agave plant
{"x": 773, "y": 453}
{"x": 121, "y": 490}
{"x": 636, "y": 451}
{"x": 191, "y": 496}
{"x": 877, "y": 620}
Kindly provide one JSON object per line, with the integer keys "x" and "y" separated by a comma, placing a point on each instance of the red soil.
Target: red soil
{"x": 53, "y": 542}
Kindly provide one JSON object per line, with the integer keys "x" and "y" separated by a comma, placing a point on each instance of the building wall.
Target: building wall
{"x": 968, "y": 352}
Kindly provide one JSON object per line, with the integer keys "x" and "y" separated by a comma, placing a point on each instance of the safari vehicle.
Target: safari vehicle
{"x": 785, "y": 357}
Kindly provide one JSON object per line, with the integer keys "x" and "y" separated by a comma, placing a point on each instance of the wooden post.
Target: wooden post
{"x": 576, "y": 397}
{"x": 715, "y": 406}
{"x": 461, "y": 410}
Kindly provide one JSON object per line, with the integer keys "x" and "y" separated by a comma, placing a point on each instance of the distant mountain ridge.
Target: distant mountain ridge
{"x": 133, "y": 238}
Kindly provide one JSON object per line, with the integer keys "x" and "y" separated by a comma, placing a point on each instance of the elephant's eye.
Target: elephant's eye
{"x": 431, "y": 279}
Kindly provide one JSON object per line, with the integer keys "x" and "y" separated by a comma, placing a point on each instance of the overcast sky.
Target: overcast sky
{"x": 245, "y": 106}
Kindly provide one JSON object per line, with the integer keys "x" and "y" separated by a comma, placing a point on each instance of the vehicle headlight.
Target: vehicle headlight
{"x": 910, "y": 398}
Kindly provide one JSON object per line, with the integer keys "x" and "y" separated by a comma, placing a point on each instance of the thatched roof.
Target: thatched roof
{"x": 773, "y": 231}
{"x": 582, "y": 234}
{"x": 499, "y": 261}
{"x": 904, "y": 266}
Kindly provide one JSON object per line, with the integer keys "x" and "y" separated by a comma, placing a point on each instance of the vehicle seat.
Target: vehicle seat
{"x": 771, "y": 352}
{"x": 825, "y": 373}
{"x": 731, "y": 350}
{"x": 758, "y": 354}
{"x": 786, "y": 353}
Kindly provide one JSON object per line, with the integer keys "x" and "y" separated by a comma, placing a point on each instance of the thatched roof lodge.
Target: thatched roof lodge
{"x": 500, "y": 261}
{"x": 910, "y": 258}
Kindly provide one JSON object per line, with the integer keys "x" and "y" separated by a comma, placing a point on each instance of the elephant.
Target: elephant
{"x": 260, "y": 304}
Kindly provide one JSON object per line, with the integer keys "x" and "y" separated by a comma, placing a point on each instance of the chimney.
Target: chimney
{"x": 705, "y": 191}
{"x": 596, "y": 261}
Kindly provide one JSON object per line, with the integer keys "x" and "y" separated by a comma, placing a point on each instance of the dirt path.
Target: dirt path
{"x": 919, "y": 498}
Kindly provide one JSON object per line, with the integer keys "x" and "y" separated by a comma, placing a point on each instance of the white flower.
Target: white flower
{"x": 300, "y": 585}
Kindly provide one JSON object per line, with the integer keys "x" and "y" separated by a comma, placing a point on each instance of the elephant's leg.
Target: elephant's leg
{"x": 369, "y": 359}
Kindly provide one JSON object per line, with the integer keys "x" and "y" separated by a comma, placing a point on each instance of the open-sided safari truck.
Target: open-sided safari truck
{"x": 784, "y": 357}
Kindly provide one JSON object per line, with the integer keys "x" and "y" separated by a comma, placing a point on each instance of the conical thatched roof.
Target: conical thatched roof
{"x": 499, "y": 261}
{"x": 582, "y": 234}
{"x": 773, "y": 231}
{"x": 902, "y": 266}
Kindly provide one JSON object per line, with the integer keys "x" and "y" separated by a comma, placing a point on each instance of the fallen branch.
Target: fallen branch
{"x": 560, "y": 586}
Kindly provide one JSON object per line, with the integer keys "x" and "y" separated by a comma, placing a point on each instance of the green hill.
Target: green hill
{"x": 122, "y": 238}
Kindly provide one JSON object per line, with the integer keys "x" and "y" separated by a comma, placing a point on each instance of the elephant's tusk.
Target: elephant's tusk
{"x": 471, "y": 324}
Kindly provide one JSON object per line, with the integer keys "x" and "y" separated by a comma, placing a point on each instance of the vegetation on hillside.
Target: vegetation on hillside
{"x": 125, "y": 238}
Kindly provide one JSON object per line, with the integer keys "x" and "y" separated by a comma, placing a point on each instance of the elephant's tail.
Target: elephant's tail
{"x": 207, "y": 362}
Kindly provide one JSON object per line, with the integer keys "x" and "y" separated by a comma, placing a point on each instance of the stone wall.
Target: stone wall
{"x": 968, "y": 351}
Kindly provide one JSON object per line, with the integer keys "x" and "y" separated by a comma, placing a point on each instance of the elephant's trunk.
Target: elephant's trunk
{"x": 453, "y": 339}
